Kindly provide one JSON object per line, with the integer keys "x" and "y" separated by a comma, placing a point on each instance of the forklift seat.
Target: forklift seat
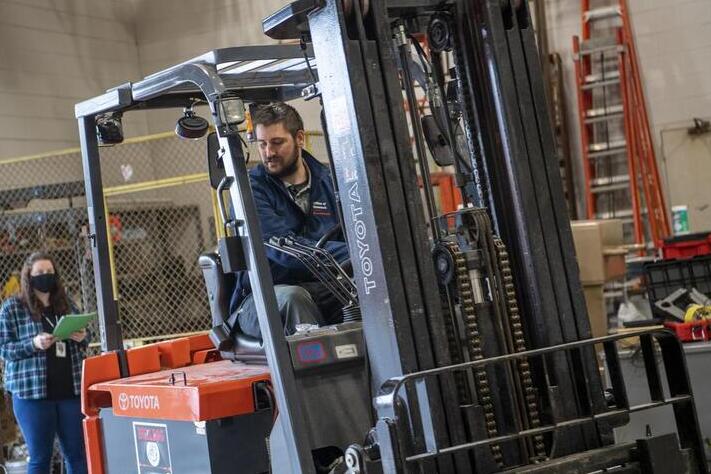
{"x": 232, "y": 343}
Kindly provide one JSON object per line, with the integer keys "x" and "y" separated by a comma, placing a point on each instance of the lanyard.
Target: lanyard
{"x": 52, "y": 324}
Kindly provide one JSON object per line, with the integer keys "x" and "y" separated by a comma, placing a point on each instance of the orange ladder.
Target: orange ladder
{"x": 621, "y": 175}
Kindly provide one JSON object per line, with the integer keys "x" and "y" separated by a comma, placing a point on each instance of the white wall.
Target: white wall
{"x": 673, "y": 39}
{"x": 53, "y": 54}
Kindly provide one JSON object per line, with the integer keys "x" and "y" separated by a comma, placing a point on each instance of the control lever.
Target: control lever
{"x": 341, "y": 277}
{"x": 310, "y": 264}
{"x": 322, "y": 265}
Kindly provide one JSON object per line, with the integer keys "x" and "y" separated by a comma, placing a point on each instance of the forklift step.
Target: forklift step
{"x": 602, "y": 13}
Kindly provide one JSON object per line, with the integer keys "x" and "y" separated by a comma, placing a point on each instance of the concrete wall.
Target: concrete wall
{"x": 54, "y": 53}
{"x": 673, "y": 40}
{"x": 171, "y": 31}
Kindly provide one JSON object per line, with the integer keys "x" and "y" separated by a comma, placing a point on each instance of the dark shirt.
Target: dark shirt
{"x": 60, "y": 381}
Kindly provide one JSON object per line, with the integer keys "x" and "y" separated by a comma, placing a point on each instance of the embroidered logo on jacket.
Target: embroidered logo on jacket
{"x": 319, "y": 208}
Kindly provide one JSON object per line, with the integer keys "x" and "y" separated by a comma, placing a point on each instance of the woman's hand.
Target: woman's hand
{"x": 43, "y": 341}
{"x": 78, "y": 336}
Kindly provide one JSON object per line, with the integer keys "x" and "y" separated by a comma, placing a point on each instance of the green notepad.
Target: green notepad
{"x": 72, "y": 323}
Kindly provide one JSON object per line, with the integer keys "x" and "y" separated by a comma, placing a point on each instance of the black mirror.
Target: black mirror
{"x": 215, "y": 165}
{"x": 109, "y": 128}
{"x": 436, "y": 142}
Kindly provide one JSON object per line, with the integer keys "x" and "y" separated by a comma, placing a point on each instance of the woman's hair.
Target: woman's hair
{"x": 58, "y": 300}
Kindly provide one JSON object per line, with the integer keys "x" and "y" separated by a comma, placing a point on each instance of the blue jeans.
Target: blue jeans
{"x": 40, "y": 421}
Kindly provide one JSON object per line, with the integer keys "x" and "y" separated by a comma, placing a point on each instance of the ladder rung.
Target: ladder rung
{"x": 606, "y": 153}
{"x": 605, "y": 180}
{"x": 598, "y": 84}
{"x": 607, "y": 146}
{"x": 625, "y": 215}
{"x": 600, "y": 111}
{"x": 602, "y": 13}
{"x": 622, "y": 214}
{"x": 610, "y": 184}
{"x": 604, "y": 118}
{"x": 602, "y": 76}
{"x": 600, "y": 45}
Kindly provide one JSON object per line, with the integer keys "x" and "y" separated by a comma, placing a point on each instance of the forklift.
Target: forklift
{"x": 467, "y": 346}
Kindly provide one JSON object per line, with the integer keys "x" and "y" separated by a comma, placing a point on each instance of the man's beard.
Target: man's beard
{"x": 288, "y": 169}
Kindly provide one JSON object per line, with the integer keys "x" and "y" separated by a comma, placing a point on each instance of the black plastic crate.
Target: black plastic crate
{"x": 664, "y": 277}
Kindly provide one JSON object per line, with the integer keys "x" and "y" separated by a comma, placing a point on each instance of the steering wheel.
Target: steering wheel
{"x": 328, "y": 235}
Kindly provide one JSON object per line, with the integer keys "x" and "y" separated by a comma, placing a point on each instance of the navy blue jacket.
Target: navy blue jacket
{"x": 280, "y": 216}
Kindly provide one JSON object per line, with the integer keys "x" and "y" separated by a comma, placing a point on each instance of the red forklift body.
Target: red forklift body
{"x": 177, "y": 402}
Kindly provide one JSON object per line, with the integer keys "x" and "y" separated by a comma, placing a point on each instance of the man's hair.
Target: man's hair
{"x": 278, "y": 112}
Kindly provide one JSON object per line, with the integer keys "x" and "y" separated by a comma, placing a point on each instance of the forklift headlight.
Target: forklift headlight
{"x": 231, "y": 110}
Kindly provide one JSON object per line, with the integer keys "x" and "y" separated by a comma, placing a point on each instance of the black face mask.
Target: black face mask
{"x": 44, "y": 283}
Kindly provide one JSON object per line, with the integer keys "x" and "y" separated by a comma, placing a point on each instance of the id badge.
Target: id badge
{"x": 61, "y": 348}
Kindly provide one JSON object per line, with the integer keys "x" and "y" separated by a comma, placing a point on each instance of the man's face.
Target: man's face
{"x": 280, "y": 152}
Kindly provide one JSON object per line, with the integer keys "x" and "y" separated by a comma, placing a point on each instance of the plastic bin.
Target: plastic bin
{"x": 686, "y": 246}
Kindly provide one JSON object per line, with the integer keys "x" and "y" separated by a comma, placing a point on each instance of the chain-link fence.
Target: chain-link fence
{"x": 161, "y": 218}
{"x": 160, "y": 213}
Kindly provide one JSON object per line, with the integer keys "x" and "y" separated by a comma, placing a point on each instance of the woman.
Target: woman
{"x": 43, "y": 374}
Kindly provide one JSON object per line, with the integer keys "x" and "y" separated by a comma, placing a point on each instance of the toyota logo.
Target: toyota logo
{"x": 123, "y": 401}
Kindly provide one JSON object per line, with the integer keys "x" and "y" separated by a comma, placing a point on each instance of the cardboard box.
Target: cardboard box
{"x": 597, "y": 313}
{"x": 600, "y": 251}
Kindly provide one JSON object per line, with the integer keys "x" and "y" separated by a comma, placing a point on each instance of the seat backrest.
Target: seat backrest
{"x": 218, "y": 286}
{"x": 225, "y": 333}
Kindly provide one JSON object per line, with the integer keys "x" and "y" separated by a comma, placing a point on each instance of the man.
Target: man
{"x": 294, "y": 197}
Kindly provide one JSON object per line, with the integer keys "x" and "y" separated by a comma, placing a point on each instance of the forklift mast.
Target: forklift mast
{"x": 478, "y": 342}
{"x": 511, "y": 171}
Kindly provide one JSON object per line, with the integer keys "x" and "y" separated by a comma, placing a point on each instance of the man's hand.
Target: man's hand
{"x": 43, "y": 341}
{"x": 78, "y": 336}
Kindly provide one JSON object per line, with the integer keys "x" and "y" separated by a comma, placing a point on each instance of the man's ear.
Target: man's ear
{"x": 300, "y": 138}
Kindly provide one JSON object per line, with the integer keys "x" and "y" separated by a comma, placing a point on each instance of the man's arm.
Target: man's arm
{"x": 273, "y": 226}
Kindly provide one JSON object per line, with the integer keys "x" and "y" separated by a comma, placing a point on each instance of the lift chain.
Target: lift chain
{"x": 452, "y": 341}
{"x": 473, "y": 339}
{"x": 519, "y": 344}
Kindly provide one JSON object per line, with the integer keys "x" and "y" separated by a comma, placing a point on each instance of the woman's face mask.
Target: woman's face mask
{"x": 45, "y": 282}
{"x": 42, "y": 277}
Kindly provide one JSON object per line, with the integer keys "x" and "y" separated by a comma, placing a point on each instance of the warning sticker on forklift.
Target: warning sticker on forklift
{"x": 346, "y": 351}
{"x": 152, "y": 448}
